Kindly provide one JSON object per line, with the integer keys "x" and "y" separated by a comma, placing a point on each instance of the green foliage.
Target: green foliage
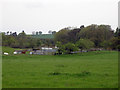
{"x": 38, "y": 43}
{"x": 61, "y": 48}
{"x": 67, "y": 35}
{"x": 22, "y": 34}
{"x": 118, "y": 47}
{"x": 106, "y": 44}
{"x": 117, "y": 32}
{"x": 9, "y": 50}
{"x": 47, "y": 42}
{"x": 73, "y": 35}
{"x": 70, "y": 47}
{"x": 101, "y": 35}
{"x": 62, "y": 36}
{"x": 20, "y": 41}
{"x": 96, "y": 33}
{"x": 84, "y": 44}
{"x": 115, "y": 42}
{"x": 66, "y": 48}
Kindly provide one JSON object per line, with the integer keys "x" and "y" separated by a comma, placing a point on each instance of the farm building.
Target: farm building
{"x": 20, "y": 52}
{"x": 43, "y": 51}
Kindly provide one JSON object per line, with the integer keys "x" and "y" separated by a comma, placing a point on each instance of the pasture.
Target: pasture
{"x": 97, "y": 69}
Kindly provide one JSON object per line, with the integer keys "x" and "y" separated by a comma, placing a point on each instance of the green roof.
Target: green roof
{"x": 44, "y": 36}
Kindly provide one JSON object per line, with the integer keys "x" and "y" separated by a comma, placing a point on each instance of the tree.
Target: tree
{"x": 66, "y": 49}
{"x": 68, "y": 34}
{"x": 14, "y": 34}
{"x": 7, "y": 32}
{"x": 38, "y": 43}
{"x": 53, "y": 32}
{"x": 32, "y": 42}
{"x": 10, "y": 33}
{"x": 50, "y": 32}
{"x": 20, "y": 41}
{"x": 106, "y": 44}
{"x": 72, "y": 35}
{"x": 37, "y": 33}
{"x": 70, "y": 47}
{"x": 61, "y": 48}
{"x": 84, "y": 44}
{"x": 96, "y": 33}
{"x": 22, "y": 37}
{"x": 22, "y": 34}
{"x": 82, "y": 26}
{"x": 117, "y": 32}
{"x": 62, "y": 36}
{"x": 10, "y": 41}
{"x": 115, "y": 42}
{"x": 40, "y": 32}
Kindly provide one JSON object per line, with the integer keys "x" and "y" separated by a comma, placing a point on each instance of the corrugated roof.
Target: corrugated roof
{"x": 43, "y": 36}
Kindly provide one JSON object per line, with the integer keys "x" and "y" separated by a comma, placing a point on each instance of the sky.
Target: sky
{"x": 45, "y": 15}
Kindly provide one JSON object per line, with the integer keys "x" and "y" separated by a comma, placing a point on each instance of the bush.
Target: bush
{"x": 84, "y": 44}
{"x": 70, "y": 47}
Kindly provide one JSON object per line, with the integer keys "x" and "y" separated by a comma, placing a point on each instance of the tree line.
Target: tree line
{"x": 92, "y": 36}
{"x": 69, "y": 39}
{"x": 25, "y": 41}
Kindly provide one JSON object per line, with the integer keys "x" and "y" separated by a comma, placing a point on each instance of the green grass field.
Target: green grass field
{"x": 86, "y": 70}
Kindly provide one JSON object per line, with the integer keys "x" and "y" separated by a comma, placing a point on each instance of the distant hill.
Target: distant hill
{"x": 44, "y": 36}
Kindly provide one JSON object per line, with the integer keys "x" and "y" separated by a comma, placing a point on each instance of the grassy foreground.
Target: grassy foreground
{"x": 86, "y": 70}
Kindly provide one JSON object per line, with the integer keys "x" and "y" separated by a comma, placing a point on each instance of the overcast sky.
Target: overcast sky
{"x": 45, "y": 15}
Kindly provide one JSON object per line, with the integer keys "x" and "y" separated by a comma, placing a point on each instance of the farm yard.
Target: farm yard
{"x": 97, "y": 69}
{"x": 61, "y": 47}
{"x": 81, "y": 57}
